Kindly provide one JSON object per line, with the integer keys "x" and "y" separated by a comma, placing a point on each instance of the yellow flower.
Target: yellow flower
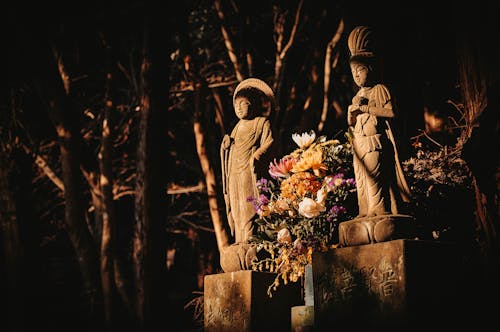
{"x": 311, "y": 159}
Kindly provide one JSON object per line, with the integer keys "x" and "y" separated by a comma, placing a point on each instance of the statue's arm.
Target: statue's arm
{"x": 266, "y": 140}
{"x": 224, "y": 156}
{"x": 380, "y": 103}
{"x": 353, "y": 110}
{"x": 379, "y": 111}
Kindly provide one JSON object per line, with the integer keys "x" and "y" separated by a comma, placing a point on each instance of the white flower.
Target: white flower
{"x": 309, "y": 208}
{"x": 305, "y": 139}
{"x": 321, "y": 195}
{"x": 284, "y": 236}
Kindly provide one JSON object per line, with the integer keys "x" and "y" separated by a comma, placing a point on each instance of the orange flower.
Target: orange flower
{"x": 311, "y": 159}
{"x": 299, "y": 185}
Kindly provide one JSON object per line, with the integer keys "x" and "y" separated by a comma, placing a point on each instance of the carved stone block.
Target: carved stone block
{"x": 393, "y": 284}
{"x": 238, "y": 301}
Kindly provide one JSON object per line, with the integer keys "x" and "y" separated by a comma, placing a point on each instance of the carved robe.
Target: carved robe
{"x": 379, "y": 178}
{"x": 248, "y": 141}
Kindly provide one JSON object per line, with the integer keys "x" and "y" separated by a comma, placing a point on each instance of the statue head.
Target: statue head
{"x": 361, "y": 44}
{"x": 363, "y": 58}
{"x": 250, "y": 98}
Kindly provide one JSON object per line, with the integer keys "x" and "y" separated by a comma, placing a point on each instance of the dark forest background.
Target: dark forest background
{"x": 113, "y": 113}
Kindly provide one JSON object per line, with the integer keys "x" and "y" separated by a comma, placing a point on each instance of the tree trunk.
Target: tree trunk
{"x": 64, "y": 119}
{"x": 141, "y": 232}
{"x": 10, "y": 258}
{"x": 108, "y": 238}
{"x": 149, "y": 245}
{"x": 210, "y": 179}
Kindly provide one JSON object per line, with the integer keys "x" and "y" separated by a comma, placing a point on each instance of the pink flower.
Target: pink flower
{"x": 281, "y": 168}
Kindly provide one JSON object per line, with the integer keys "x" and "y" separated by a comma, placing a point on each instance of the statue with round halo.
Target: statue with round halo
{"x": 244, "y": 158}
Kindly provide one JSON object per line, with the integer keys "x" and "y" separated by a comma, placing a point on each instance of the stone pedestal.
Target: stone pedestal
{"x": 368, "y": 230}
{"x": 238, "y": 301}
{"x": 394, "y": 284}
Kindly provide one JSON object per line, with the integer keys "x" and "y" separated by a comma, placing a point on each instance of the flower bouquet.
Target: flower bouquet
{"x": 311, "y": 191}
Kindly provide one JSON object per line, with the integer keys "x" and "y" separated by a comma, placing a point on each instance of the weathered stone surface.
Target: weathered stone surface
{"x": 376, "y": 229}
{"x": 237, "y": 257}
{"x": 238, "y": 301}
{"x": 393, "y": 284}
{"x": 303, "y": 318}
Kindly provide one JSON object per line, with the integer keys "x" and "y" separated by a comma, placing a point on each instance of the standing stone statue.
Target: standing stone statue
{"x": 243, "y": 156}
{"x": 381, "y": 185}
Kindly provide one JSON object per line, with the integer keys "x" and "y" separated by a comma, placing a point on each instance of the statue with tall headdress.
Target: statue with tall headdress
{"x": 244, "y": 159}
{"x": 381, "y": 185}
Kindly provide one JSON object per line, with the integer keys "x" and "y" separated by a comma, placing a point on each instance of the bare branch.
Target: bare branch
{"x": 227, "y": 41}
{"x": 125, "y": 72}
{"x": 190, "y": 87}
{"x": 92, "y": 180}
{"x": 338, "y": 110}
{"x": 62, "y": 70}
{"x": 293, "y": 32}
{"x": 193, "y": 225}
{"x": 219, "y": 110}
{"x": 186, "y": 190}
{"x": 327, "y": 72}
{"x": 42, "y": 164}
{"x": 423, "y": 133}
{"x": 281, "y": 53}
{"x": 124, "y": 193}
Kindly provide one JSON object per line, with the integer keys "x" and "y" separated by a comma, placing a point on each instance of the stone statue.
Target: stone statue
{"x": 381, "y": 185}
{"x": 243, "y": 156}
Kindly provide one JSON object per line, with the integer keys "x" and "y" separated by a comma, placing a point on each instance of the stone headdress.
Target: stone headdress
{"x": 361, "y": 44}
{"x": 257, "y": 84}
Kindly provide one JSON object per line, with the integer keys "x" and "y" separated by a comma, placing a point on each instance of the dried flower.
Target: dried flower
{"x": 284, "y": 236}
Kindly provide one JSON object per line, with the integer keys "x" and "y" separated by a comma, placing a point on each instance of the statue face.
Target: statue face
{"x": 359, "y": 74}
{"x": 242, "y": 107}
